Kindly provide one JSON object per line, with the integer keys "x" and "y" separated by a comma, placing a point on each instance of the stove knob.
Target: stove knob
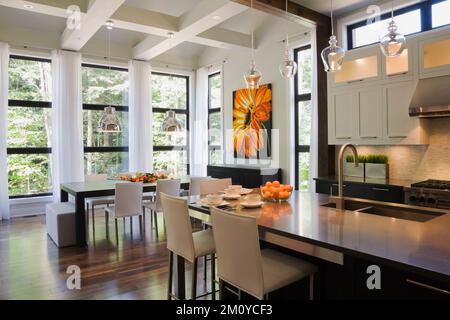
{"x": 412, "y": 198}
{"x": 422, "y": 199}
{"x": 431, "y": 200}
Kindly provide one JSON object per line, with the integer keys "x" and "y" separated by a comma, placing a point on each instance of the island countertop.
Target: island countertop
{"x": 421, "y": 246}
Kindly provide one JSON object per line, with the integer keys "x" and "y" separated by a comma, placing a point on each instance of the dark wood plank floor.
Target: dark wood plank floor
{"x": 32, "y": 267}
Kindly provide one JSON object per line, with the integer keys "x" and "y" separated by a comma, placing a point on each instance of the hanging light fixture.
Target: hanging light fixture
{"x": 288, "y": 68}
{"x": 109, "y": 122}
{"x": 333, "y": 55}
{"x": 252, "y": 76}
{"x": 393, "y": 43}
{"x": 170, "y": 123}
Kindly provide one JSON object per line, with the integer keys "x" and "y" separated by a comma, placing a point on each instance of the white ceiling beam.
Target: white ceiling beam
{"x": 98, "y": 13}
{"x": 200, "y": 18}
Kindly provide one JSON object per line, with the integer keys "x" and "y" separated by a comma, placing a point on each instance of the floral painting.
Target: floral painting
{"x": 252, "y": 122}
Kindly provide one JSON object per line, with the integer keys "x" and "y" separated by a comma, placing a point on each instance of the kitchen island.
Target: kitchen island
{"x": 414, "y": 257}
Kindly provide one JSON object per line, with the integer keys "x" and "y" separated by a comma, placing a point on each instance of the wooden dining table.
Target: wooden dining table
{"x": 91, "y": 189}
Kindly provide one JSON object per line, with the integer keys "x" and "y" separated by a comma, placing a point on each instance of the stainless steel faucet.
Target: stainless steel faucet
{"x": 340, "y": 201}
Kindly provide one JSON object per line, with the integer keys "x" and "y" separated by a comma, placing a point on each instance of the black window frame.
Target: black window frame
{"x": 101, "y": 107}
{"x": 211, "y": 111}
{"x": 29, "y": 104}
{"x": 425, "y": 17}
{"x": 177, "y": 111}
{"x": 299, "y": 98}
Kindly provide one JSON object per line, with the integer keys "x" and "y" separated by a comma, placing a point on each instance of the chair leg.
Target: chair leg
{"x": 87, "y": 214}
{"x": 194, "y": 280}
{"x": 117, "y": 232}
{"x": 143, "y": 217}
{"x": 141, "y": 228}
{"x": 311, "y": 287}
{"x": 169, "y": 285}
{"x": 213, "y": 277}
{"x": 156, "y": 221}
{"x": 107, "y": 224}
{"x": 93, "y": 220}
{"x": 131, "y": 227}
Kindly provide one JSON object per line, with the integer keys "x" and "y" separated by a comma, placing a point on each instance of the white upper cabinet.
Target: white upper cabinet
{"x": 370, "y": 115}
{"x": 341, "y": 113}
{"x": 434, "y": 56}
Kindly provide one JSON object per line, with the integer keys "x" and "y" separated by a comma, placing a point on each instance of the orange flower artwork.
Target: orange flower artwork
{"x": 252, "y": 122}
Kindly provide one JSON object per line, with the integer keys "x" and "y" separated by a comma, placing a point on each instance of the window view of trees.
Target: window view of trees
{"x": 303, "y": 112}
{"x": 215, "y": 118}
{"x": 170, "y": 151}
{"x": 104, "y": 152}
{"x": 29, "y": 127}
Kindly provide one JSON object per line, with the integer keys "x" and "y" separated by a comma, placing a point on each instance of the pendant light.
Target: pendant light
{"x": 252, "y": 76}
{"x": 109, "y": 122}
{"x": 333, "y": 55}
{"x": 288, "y": 68}
{"x": 170, "y": 123}
{"x": 393, "y": 43}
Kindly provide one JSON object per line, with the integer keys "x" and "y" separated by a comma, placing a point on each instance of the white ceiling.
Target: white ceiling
{"x": 170, "y": 7}
{"x": 15, "y": 18}
{"x": 340, "y": 6}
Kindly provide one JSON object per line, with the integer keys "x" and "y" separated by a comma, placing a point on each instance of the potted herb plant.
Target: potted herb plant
{"x": 377, "y": 166}
{"x": 349, "y": 167}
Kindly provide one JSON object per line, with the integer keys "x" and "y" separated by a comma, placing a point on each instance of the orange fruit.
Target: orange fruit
{"x": 284, "y": 195}
{"x": 276, "y": 193}
{"x": 276, "y": 184}
{"x": 268, "y": 195}
{"x": 268, "y": 184}
{"x": 264, "y": 189}
{"x": 289, "y": 188}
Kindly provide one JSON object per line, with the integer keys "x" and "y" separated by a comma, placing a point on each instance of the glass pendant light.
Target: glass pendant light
{"x": 252, "y": 76}
{"x": 393, "y": 43}
{"x": 109, "y": 122}
{"x": 170, "y": 123}
{"x": 288, "y": 68}
{"x": 333, "y": 55}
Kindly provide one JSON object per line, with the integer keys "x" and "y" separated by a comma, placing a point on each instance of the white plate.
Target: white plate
{"x": 231, "y": 197}
{"x": 252, "y": 205}
{"x": 206, "y": 204}
{"x": 246, "y": 191}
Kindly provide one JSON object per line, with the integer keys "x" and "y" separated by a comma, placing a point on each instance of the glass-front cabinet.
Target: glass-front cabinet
{"x": 434, "y": 55}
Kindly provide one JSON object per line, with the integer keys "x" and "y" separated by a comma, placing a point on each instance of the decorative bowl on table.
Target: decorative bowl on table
{"x": 276, "y": 192}
{"x": 143, "y": 177}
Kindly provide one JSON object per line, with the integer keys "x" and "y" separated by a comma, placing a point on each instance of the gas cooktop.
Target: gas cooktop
{"x": 433, "y": 184}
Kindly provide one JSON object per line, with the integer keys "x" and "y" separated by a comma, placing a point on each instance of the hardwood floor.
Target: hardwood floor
{"x": 32, "y": 267}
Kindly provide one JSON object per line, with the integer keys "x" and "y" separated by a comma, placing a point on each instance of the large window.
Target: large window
{"x": 29, "y": 127}
{"x": 215, "y": 118}
{"x": 303, "y": 116}
{"x": 170, "y": 150}
{"x": 102, "y": 87}
{"x": 416, "y": 18}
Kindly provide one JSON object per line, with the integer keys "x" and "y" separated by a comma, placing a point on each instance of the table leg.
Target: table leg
{"x": 80, "y": 221}
{"x": 64, "y": 196}
{"x": 180, "y": 290}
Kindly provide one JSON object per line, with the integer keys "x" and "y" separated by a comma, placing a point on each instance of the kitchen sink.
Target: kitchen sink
{"x": 402, "y": 213}
{"x": 392, "y": 210}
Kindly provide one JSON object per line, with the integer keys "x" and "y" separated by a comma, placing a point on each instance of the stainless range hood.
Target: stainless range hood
{"x": 431, "y": 98}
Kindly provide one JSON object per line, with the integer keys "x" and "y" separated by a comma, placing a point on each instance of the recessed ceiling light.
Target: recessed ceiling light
{"x": 170, "y": 34}
{"x": 217, "y": 17}
{"x": 28, "y": 6}
{"x": 109, "y": 24}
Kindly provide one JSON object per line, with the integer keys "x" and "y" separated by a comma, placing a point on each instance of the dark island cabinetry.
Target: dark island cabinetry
{"x": 248, "y": 177}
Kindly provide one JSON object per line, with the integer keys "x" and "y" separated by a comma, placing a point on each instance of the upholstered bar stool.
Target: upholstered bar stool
{"x": 182, "y": 242}
{"x": 243, "y": 264}
{"x": 167, "y": 186}
{"x": 128, "y": 203}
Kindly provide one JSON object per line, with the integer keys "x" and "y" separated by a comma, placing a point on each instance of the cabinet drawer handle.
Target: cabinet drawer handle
{"x": 336, "y": 185}
{"x": 427, "y": 286}
{"x": 354, "y": 81}
{"x": 397, "y": 74}
{"x": 381, "y": 189}
{"x": 343, "y": 138}
{"x": 397, "y": 136}
{"x": 369, "y": 137}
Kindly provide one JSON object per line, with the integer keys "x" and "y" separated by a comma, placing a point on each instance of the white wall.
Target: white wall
{"x": 268, "y": 57}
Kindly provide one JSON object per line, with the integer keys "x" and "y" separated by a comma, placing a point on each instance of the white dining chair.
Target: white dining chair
{"x": 243, "y": 264}
{"x": 128, "y": 203}
{"x": 146, "y": 196}
{"x": 96, "y": 201}
{"x": 194, "y": 185}
{"x": 214, "y": 185}
{"x": 182, "y": 242}
{"x": 167, "y": 186}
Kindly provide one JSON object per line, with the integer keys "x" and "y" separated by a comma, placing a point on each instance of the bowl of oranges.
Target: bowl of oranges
{"x": 276, "y": 192}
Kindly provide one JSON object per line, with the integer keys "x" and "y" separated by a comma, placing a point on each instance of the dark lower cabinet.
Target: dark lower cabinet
{"x": 363, "y": 190}
{"x": 246, "y": 176}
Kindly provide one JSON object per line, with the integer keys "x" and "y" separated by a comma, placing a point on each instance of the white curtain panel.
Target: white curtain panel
{"x": 4, "y": 197}
{"x": 140, "y": 117}
{"x": 67, "y": 120}
{"x": 314, "y": 147}
{"x": 200, "y": 133}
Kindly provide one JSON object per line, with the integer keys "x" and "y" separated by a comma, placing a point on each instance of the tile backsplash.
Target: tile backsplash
{"x": 419, "y": 162}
